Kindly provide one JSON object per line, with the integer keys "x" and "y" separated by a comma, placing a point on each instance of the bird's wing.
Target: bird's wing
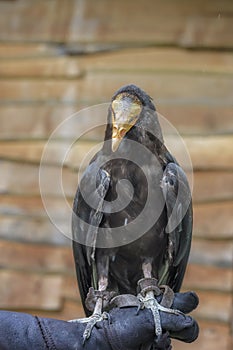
{"x": 86, "y": 219}
{"x": 179, "y": 225}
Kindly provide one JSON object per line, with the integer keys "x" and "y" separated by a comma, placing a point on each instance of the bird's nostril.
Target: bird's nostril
{"x": 122, "y": 132}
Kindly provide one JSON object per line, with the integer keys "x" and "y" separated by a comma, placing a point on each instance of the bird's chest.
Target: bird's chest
{"x": 134, "y": 177}
{"x": 149, "y": 242}
{"x": 134, "y": 211}
{"x": 134, "y": 193}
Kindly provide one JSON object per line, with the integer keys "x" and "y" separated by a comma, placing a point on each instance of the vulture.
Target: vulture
{"x": 132, "y": 212}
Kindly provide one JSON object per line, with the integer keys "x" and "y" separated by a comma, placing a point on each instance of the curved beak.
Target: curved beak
{"x": 118, "y": 132}
{"x": 125, "y": 113}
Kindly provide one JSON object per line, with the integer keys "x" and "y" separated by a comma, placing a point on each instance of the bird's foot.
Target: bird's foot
{"x": 91, "y": 322}
{"x": 95, "y": 301}
{"x": 147, "y": 296}
{"x": 150, "y": 302}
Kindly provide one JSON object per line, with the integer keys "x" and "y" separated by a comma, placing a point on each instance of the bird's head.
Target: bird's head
{"x": 126, "y": 107}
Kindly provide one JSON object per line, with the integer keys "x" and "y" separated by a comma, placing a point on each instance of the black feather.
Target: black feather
{"x": 168, "y": 250}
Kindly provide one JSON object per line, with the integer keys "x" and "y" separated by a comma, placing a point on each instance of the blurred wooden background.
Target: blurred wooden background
{"x": 57, "y": 57}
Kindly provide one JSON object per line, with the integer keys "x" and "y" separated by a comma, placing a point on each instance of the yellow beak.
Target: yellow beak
{"x": 124, "y": 116}
{"x": 118, "y": 132}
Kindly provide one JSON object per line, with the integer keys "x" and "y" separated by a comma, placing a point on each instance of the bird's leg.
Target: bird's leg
{"x": 98, "y": 299}
{"x": 149, "y": 291}
{"x": 97, "y": 313}
{"x": 95, "y": 299}
{"x": 148, "y": 297}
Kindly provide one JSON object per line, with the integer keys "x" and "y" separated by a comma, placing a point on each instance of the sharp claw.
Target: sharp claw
{"x": 150, "y": 302}
{"x": 91, "y": 322}
{"x": 170, "y": 311}
{"x": 79, "y": 320}
{"x": 153, "y": 305}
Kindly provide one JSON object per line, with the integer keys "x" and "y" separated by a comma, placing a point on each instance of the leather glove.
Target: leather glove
{"x": 126, "y": 329}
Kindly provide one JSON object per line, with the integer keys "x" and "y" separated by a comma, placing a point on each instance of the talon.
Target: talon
{"x": 80, "y": 320}
{"x": 91, "y": 322}
{"x": 150, "y": 302}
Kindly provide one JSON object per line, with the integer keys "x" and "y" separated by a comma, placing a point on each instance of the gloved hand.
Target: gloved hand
{"x": 126, "y": 329}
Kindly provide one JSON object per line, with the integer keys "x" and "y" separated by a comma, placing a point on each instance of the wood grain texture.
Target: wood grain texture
{"x": 209, "y": 278}
{"x": 22, "y": 50}
{"x": 221, "y": 223}
{"x": 30, "y": 205}
{"x": 40, "y": 21}
{"x": 36, "y": 121}
{"x": 27, "y": 182}
{"x": 48, "y": 61}
{"x": 52, "y": 67}
{"x": 42, "y": 230}
{"x": 163, "y": 26}
{"x": 212, "y": 186}
{"x": 29, "y": 290}
{"x": 58, "y": 260}
{"x": 35, "y": 230}
{"x": 98, "y": 87}
{"x": 208, "y": 32}
{"x": 207, "y": 153}
{"x": 214, "y": 306}
{"x": 89, "y": 23}
{"x": 218, "y": 253}
{"x": 213, "y": 335}
{"x": 37, "y": 258}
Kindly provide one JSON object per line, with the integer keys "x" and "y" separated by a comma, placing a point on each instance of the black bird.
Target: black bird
{"x": 132, "y": 213}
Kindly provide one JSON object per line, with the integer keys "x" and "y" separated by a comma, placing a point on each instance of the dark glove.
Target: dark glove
{"x": 126, "y": 329}
{"x": 131, "y": 330}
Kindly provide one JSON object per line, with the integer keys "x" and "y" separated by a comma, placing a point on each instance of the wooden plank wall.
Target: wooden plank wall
{"x": 57, "y": 57}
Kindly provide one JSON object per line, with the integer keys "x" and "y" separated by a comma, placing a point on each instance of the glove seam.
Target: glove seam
{"x": 112, "y": 338}
{"x": 46, "y": 335}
